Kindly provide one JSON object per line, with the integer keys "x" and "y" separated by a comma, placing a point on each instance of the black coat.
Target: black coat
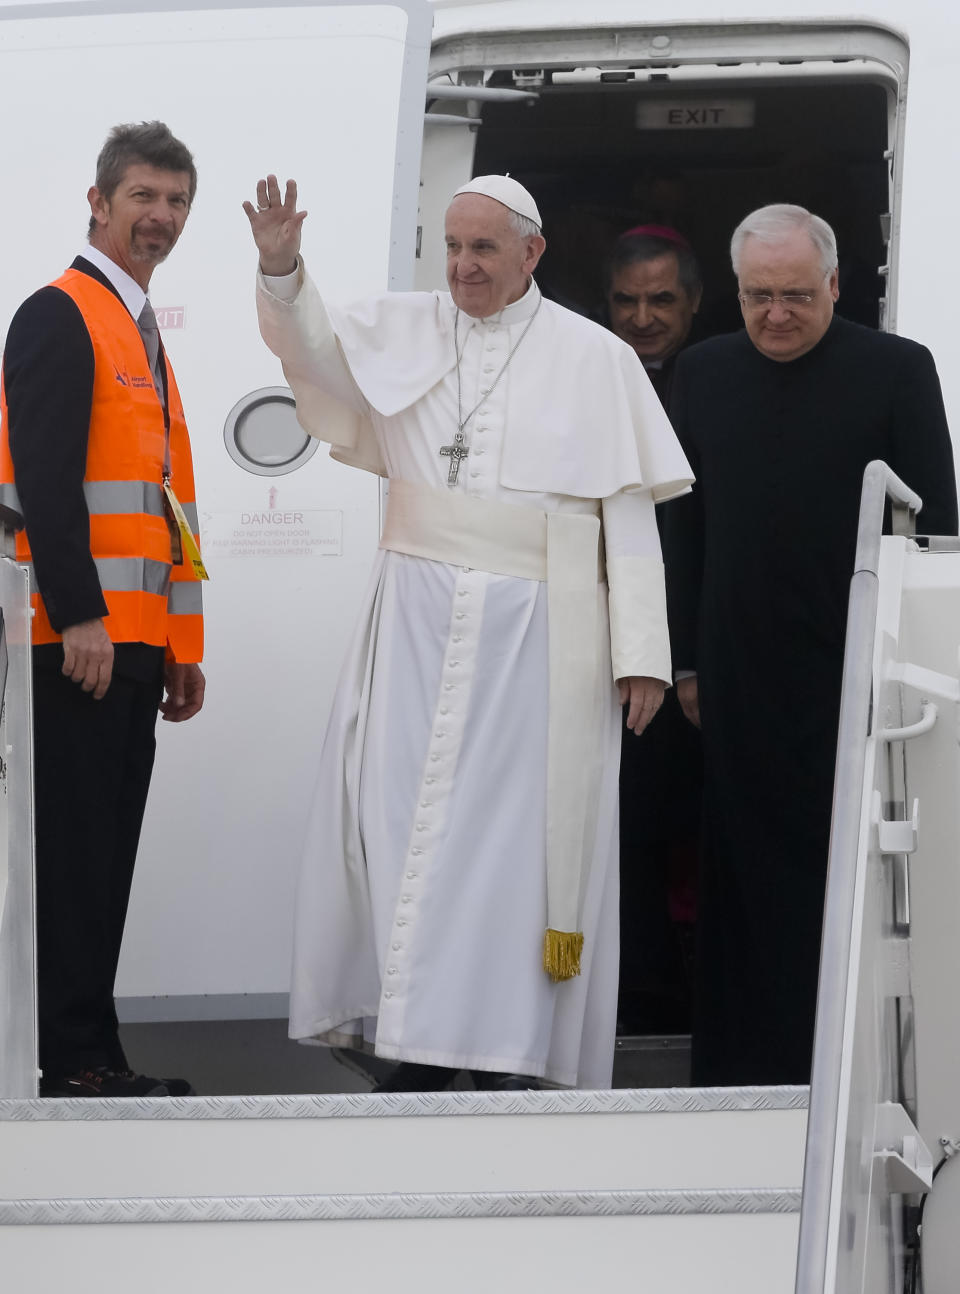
{"x": 759, "y": 559}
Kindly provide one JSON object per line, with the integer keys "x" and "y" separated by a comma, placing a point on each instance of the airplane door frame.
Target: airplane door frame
{"x": 465, "y": 57}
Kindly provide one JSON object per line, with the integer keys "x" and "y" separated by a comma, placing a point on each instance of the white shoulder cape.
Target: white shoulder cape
{"x": 583, "y": 418}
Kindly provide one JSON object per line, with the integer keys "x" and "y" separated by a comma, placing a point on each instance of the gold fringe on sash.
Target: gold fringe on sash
{"x": 561, "y": 954}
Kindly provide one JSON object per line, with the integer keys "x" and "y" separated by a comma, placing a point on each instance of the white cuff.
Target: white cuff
{"x": 639, "y": 641}
{"x": 284, "y": 287}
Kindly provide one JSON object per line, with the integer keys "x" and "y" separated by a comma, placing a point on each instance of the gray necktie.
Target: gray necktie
{"x": 149, "y": 331}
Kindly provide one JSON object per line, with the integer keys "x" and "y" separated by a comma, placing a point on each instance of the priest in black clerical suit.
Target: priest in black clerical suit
{"x": 779, "y": 422}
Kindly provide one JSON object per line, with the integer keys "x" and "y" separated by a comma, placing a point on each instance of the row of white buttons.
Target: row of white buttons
{"x": 495, "y": 349}
{"x": 418, "y": 854}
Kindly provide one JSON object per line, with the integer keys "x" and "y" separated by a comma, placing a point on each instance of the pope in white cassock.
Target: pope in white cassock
{"x": 458, "y": 902}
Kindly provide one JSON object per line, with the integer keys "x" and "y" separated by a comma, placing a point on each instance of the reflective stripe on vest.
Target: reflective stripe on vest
{"x": 125, "y": 575}
{"x": 115, "y": 498}
{"x": 185, "y": 598}
{"x": 123, "y": 497}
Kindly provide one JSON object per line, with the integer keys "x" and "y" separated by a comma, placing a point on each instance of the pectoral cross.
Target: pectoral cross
{"x": 455, "y": 453}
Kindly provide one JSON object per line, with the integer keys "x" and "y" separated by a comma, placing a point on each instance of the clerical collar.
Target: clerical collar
{"x": 518, "y": 311}
{"x": 811, "y": 356}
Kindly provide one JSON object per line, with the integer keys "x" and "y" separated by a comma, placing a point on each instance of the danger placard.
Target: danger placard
{"x": 273, "y": 532}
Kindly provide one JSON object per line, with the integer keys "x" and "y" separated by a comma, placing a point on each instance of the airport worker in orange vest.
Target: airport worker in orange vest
{"x": 94, "y": 454}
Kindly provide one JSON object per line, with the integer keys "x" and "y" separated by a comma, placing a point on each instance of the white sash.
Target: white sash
{"x": 563, "y": 549}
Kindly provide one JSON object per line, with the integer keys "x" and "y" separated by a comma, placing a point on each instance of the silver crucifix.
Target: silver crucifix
{"x": 455, "y": 453}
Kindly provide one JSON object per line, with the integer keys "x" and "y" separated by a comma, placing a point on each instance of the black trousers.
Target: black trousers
{"x": 92, "y": 766}
{"x": 661, "y": 788}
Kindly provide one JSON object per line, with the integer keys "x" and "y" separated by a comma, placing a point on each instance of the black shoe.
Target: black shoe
{"x": 178, "y": 1087}
{"x": 103, "y": 1082}
{"x": 174, "y": 1086}
{"x": 516, "y": 1083}
{"x": 408, "y": 1077}
{"x": 491, "y": 1080}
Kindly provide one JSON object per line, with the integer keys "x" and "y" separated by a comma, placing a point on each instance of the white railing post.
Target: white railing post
{"x": 18, "y": 994}
{"x": 826, "y": 1137}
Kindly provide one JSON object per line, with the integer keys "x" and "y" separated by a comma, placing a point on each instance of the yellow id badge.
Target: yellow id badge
{"x": 187, "y": 540}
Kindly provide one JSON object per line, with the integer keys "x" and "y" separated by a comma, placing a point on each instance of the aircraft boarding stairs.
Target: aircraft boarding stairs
{"x": 690, "y": 1191}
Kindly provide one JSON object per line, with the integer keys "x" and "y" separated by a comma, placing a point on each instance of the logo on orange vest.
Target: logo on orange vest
{"x": 121, "y": 377}
{"x": 141, "y": 383}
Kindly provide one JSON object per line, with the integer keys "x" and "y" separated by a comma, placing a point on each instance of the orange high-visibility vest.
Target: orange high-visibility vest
{"x": 149, "y": 599}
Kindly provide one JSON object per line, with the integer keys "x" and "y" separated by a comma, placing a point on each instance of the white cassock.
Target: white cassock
{"x": 422, "y": 903}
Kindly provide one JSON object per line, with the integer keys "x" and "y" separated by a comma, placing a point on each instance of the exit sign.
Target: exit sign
{"x": 170, "y": 317}
{"x": 695, "y": 114}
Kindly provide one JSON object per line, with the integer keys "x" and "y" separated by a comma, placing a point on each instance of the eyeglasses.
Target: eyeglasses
{"x": 763, "y": 300}
{"x": 790, "y": 300}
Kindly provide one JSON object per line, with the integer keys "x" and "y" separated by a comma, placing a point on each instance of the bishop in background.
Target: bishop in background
{"x": 458, "y": 902}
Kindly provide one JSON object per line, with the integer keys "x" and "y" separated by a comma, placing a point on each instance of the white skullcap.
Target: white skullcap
{"x": 506, "y": 191}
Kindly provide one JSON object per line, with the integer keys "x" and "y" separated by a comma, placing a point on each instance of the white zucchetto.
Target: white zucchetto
{"x": 505, "y": 190}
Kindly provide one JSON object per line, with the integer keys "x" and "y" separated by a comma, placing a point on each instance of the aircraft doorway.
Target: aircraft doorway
{"x": 597, "y": 172}
{"x": 694, "y": 146}
{"x": 605, "y": 150}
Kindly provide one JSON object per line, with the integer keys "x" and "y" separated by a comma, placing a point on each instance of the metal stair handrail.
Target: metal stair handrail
{"x": 879, "y": 485}
{"x": 10, "y": 522}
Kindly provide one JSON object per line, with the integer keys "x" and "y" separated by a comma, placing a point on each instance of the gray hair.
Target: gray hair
{"x": 633, "y": 249}
{"x": 524, "y": 226}
{"x": 774, "y": 223}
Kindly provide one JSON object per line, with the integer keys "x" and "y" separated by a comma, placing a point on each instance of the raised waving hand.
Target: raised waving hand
{"x": 276, "y": 224}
